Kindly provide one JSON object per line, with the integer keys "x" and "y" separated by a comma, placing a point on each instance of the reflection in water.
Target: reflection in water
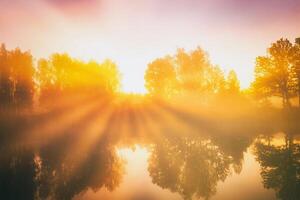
{"x": 192, "y": 166}
{"x": 280, "y": 166}
{"x": 63, "y": 180}
{"x": 28, "y": 175}
{"x": 189, "y": 161}
{"x": 178, "y": 164}
{"x": 17, "y": 174}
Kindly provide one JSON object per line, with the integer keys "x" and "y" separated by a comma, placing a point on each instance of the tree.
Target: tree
{"x": 273, "y": 74}
{"x": 192, "y": 69}
{"x": 16, "y": 77}
{"x": 46, "y": 79}
{"x": 215, "y": 80}
{"x": 161, "y": 78}
{"x": 110, "y": 74}
{"x": 63, "y": 67}
{"x": 5, "y": 83}
{"x": 296, "y": 66}
{"x": 232, "y": 83}
{"x": 62, "y": 74}
{"x": 185, "y": 72}
{"x": 22, "y": 77}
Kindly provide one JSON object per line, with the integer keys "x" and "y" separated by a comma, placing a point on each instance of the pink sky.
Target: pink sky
{"x": 134, "y": 32}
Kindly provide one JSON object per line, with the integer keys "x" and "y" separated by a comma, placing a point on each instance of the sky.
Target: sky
{"x": 135, "y": 32}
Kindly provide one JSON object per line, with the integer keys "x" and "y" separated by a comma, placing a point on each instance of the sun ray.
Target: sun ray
{"x": 53, "y": 127}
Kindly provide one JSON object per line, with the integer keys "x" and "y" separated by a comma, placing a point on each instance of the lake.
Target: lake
{"x": 147, "y": 152}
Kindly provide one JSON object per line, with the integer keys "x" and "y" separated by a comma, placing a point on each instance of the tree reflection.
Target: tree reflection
{"x": 234, "y": 146}
{"x": 65, "y": 179}
{"x": 191, "y": 166}
{"x": 280, "y": 167}
{"x": 47, "y": 174}
{"x": 17, "y": 174}
{"x": 190, "y": 159}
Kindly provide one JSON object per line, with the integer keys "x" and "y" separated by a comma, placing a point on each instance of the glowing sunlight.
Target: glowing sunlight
{"x": 149, "y": 99}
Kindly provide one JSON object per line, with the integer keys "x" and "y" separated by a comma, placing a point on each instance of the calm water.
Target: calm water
{"x": 203, "y": 172}
{"x": 132, "y": 156}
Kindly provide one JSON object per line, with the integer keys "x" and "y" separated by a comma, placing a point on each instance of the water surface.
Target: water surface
{"x": 138, "y": 153}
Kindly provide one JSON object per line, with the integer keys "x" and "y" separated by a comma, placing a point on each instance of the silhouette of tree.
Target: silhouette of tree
{"x": 273, "y": 75}
{"x": 280, "y": 167}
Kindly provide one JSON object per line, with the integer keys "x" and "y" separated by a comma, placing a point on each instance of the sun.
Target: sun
{"x": 132, "y": 84}
{"x": 131, "y": 89}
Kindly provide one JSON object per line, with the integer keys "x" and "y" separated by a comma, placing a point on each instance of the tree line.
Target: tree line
{"x": 22, "y": 79}
{"x": 187, "y": 72}
{"x": 16, "y": 77}
{"x": 277, "y": 74}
